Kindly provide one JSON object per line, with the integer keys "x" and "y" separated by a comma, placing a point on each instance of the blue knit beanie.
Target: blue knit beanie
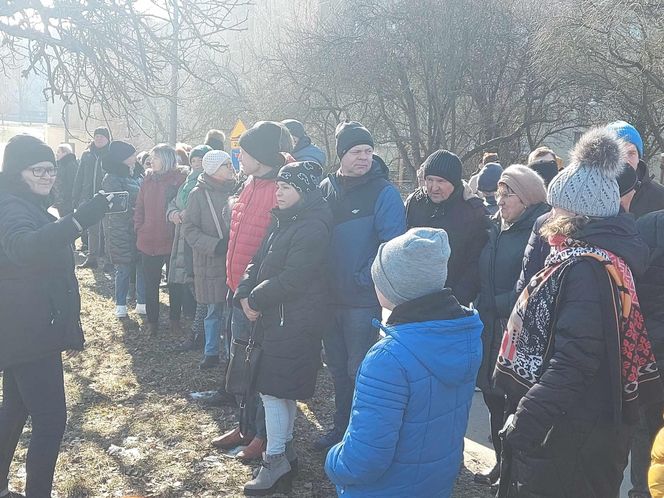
{"x": 628, "y": 133}
{"x": 488, "y": 179}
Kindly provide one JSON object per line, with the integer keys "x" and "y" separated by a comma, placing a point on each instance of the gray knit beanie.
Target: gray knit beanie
{"x": 588, "y": 186}
{"x": 412, "y": 265}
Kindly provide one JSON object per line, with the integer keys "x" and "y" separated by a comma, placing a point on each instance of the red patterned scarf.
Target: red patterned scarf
{"x": 527, "y": 343}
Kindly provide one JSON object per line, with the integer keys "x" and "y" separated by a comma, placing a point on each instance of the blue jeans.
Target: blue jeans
{"x": 347, "y": 341}
{"x": 241, "y": 328}
{"x": 212, "y": 324}
{"x": 122, "y": 280}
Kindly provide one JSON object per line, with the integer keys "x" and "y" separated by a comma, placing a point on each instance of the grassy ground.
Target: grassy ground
{"x": 132, "y": 429}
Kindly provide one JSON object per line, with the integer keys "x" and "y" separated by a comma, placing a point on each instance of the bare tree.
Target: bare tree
{"x": 115, "y": 54}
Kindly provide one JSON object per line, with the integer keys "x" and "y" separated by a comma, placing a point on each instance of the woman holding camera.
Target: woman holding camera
{"x": 39, "y": 308}
{"x": 121, "y": 176}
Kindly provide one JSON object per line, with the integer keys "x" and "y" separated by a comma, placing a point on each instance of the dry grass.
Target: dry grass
{"x": 130, "y": 391}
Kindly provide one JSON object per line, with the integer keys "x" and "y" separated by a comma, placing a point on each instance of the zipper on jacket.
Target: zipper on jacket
{"x": 281, "y": 313}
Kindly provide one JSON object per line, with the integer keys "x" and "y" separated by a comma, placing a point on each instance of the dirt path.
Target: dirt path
{"x": 133, "y": 430}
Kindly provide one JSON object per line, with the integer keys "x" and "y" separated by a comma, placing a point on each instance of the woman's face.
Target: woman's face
{"x": 155, "y": 162}
{"x": 287, "y": 196}
{"x": 40, "y": 177}
{"x": 196, "y": 163}
{"x": 509, "y": 205}
{"x": 225, "y": 173}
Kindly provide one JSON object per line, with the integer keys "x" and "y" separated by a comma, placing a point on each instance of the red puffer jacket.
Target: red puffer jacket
{"x": 250, "y": 219}
{"x": 154, "y": 233}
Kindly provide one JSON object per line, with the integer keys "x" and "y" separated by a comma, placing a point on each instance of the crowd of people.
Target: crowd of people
{"x": 540, "y": 284}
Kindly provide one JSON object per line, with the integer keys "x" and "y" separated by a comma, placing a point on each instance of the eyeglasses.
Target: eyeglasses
{"x": 41, "y": 171}
{"x": 504, "y": 195}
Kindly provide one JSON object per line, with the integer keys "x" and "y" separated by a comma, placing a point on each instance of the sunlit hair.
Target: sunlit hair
{"x": 567, "y": 226}
{"x": 183, "y": 156}
{"x": 489, "y": 157}
{"x": 540, "y": 152}
{"x": 167, "y": 157}
{"x": 285, "y": 140}
{"x": 64, "y": 147}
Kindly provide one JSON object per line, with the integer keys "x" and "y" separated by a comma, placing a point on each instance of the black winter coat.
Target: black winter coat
{"x": 500, "y": 266}
{"x": 89, "y": 175}
{"x": 285, "y": 281}
{"x": 535, "y": 254}
{"x": 63, "y": 189}
{"x": 466, "y": 224}
{"x": 119, "y": 231}
{"x": 649, "y": 194}
{"x": 39, "y": 298}
{"x": 579, "y": 392}
{"x": 650, "y": 286}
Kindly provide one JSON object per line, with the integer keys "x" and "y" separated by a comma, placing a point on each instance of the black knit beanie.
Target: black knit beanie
{"x": 118, "y": 151}
{"x": 303, "y": 176}
{"x": 349, "y": 134}
{"x": 103, "y": 131}
{"x": 23, "y": 151}
{"x": 295, "y": 127}
{"x": 444, "y": 164}
{"x": 262, "y": 142}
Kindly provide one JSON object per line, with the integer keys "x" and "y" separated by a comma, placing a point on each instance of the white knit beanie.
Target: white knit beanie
{"x": 213, "y": 160}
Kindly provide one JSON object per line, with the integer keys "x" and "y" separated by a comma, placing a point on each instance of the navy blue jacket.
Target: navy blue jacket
{"x": 306, "y": 151}
{"x": 411, "y": 404}
{"x": 365, "y": 215}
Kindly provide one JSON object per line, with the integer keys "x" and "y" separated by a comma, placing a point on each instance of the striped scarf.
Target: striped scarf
{"x": 527, "y": 343}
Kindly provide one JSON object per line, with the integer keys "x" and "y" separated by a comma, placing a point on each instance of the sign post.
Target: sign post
{"x": 238, "y": 130}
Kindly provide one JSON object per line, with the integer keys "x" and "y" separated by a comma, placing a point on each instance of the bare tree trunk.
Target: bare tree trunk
{"x": 173, "y": 120}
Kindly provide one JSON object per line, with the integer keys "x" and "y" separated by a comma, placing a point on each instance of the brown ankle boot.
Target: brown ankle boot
{"x": 232, "y": 439}
{"x": 252, "y": 452}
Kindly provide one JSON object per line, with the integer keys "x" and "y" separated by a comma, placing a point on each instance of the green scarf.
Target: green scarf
{"x": 187, "y": 187}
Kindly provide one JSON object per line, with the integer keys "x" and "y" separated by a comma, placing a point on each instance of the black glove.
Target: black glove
{"x": 221, "y": 247}
{"x": 91, "y": 212}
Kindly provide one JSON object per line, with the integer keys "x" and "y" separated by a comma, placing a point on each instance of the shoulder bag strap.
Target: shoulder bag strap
{"x": 214, "y": 215}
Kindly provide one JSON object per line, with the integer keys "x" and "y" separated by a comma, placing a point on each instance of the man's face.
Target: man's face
{"x": 248, "y": 164}
{"x": 632, "y": 155}
{"x": 357, "y": 161}
{"x": 438, "y": 189}
{"x": 100, "y": 141}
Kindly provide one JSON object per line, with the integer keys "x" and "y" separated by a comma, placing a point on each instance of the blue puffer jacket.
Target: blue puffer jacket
{"x": 367, "y": 212}
{"x": 306, "y": 151}
{"x": 411, "y": 404}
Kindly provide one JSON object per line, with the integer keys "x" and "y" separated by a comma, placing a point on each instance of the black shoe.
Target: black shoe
{"x": 220, "y": 398}
{"x": 209, "y": 362}
{"x": 489, "y": 478}
{"x": 14, "y": 495}
{"x": 329, "y": 440}
{"x": 90, "y": 263}
{"x": 109, "y": 268}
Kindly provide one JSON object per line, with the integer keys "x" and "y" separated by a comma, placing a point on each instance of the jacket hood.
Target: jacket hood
{"x": 445, "y": 348}
{"x": 619, "y": 235}
{"x": 313, "y": 205}
{"x": 114, "y": 167}
{"x": 206, "y": 182}
{"x": 302, "y": 143}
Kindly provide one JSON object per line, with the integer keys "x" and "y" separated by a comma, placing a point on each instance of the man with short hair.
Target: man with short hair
{"x": 63, "y": 188}
{"x": 86, "y": 184}
{"x": 304, "y": 149}
{"x": 545, "y": 163}
{"x": 446, "y": 202}
{"x": 368, "y": 211}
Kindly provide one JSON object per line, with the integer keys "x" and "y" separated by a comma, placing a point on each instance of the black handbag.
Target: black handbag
{"x": 244, "y": 361}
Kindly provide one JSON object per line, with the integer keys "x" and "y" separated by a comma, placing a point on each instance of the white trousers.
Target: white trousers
{"x": 279, "y": 421}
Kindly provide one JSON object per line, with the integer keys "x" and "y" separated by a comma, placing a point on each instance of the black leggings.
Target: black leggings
{"x": 35, "y": 389}
{"x": 182, "y": 301}
{"x": 152, "y": 266}
{"x": 496, "y": 405}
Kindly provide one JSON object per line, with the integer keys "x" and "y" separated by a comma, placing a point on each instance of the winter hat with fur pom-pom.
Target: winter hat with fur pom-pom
{"x": 588, "y": 186}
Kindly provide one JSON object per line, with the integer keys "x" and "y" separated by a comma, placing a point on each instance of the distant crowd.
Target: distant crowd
{"x": 540, "y": 284}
